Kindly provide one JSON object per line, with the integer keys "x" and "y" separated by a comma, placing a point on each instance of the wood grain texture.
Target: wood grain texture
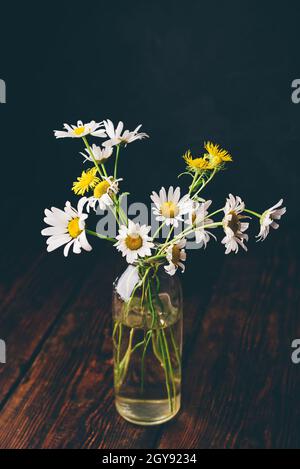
{"x": 244, "y": 392}
{"x": 240, "y": 388}
{"x": 66, "y": 398}
{"x": 30, "y": 306}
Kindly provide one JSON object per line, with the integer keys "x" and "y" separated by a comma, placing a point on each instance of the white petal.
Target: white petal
{"x": 56, "y": 243}
{"x": 53, "y": 230}
{"x": 176, "y": 195}
{"x": 67, "y": 247}
{"x": 170, "y": 193}
{"x": 163, "y": 195}
{"x": 84, "y": 242}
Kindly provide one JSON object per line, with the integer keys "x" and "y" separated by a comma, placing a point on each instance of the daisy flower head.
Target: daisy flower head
{"x": 233, "y": 226}
{"x": 66, "y": 227}
{"x": 268, "y": 218}
{"x": 175, "y": 255}
{"x": 101, "y": 154}
{"x": 215, "y": 155}
{"x": 169, "y": 207}
{"x": 133, "y": 241}
{"x": 198, "y": 218}
{"x": 119, "y": 137}
{"x": 81, "y": 130}
{"x": 88, "y": 180}
{"x": 195, "y": 164}
{"x": 103, "y": 193}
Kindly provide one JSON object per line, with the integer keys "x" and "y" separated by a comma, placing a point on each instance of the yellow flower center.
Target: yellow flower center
{"x": 169, "y": 210}
{"x": 101, "y": 189}
{"x": 133, "y": 242}
{"x": 194, "y": 216}
{"x": 73, "y": 228}
{"x": 175, "y": 254}
{"x": 79, "y": 130}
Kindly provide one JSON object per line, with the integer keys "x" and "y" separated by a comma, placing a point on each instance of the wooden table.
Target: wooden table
{"x": 240, "y": 389}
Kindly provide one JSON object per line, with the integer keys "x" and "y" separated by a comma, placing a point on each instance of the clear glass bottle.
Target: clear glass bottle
{"x": 147, "y": 343}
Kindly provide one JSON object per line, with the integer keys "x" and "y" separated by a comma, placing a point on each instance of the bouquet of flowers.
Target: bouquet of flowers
{"x": 147, "y": 304}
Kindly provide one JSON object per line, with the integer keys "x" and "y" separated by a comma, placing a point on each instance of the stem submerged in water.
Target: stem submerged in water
{"x": 156, "y": 351}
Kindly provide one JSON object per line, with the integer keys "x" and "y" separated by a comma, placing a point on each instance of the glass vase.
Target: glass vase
{"x": 147, "y": 344}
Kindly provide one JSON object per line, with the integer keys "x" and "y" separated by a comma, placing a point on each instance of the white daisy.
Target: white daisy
{"x": 100, "y": 154}
{"x": 198, "y": 219}
{"x": 233, "y": 226}
{"x": 66, "y": 227}
{"x": 103, "y": 192}
{"x": 116, "y": 136}
{"x": 134, "y": 242}
{"x": 169, "y": 207}
{"x": 267, "y": 220}
{"x": 81, "y": 130}
{"x": 175, "y": 253}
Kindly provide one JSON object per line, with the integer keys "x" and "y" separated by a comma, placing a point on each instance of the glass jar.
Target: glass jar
{"x": 147, "y": 343}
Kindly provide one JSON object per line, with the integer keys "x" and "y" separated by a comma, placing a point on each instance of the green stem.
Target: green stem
{"x": 204, "y": 184}
{"x": 155, "y": 347}
{"x": 114, "y": 334}
{"x": 151, "y": 259}
{"x": 120, "y": 211}
{"x": 166, "y": 370}
{"x": 146, "y": 343}
{"x": 119, "y": 343}
{"x": 93, "y": 233}
{"x": 191, "y": 188}
{"x": 116, "y": 161}
{"x": 104, "y": 170}
{"x": 215, "y": 213}
{"x": 149, "y": 333}
{"x": 252, "y": 213}
{"x": 113, "y": 210}
{"x": 139, "y": 344}
{"x": 169, "y": 365}
{"x": 167, "y": 239}
{"x": 92, "y": 155}
{"x": 188, "y": 231}
{"x": 175, "y": 348}
{"x": 159, "y": 228}
{"x": 123, "y": 366}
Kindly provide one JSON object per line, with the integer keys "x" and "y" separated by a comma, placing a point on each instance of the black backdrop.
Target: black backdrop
{"x": 188, "y": 71}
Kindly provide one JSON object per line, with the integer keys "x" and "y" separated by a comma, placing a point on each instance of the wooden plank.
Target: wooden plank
{"x": 66, "y": 398}
{"x": 241, "y": 387}
{"x": 14, "y": 273}
{"x": 17, "y": 257}
{"x": 31, "y": 306}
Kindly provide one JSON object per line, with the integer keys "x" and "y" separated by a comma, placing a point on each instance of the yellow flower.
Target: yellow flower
{"x": 215, "y": 155}
{"x": 195, "y": 164}
{"x": 87, "y": 180}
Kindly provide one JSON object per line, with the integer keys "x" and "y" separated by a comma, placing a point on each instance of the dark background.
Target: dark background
{"x": 188, "y": 71}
